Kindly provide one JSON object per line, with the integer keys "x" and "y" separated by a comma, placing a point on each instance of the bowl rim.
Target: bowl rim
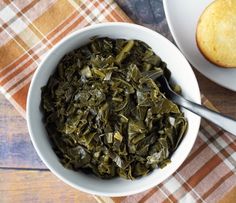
{"x": 38, "y": 150}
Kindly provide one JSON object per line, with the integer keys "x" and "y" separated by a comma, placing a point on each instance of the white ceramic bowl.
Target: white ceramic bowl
{"x": 181, "y": 73}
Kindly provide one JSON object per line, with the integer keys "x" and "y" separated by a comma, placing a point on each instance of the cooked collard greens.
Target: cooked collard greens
{"x": 103, "y": 115}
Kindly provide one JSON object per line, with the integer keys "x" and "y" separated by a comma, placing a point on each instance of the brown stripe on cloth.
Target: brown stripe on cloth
{"x": 211, "y": 139}
{"x": 212, "y": 178}
{"x": 7, "y": 1}
{"x": 217, "y": 184}
{"x": 196, "y": 163}
{"x": 16, "y": 72}
{"x": 21, "y": 80}
{"x": 169, "y": 199}
{"x": 225, "y": 153}
{"x": 203, "y": 171}
{"x": 95, "y": 18}
{"x": 233, "y": 146}
{"x": 148, "y": 195}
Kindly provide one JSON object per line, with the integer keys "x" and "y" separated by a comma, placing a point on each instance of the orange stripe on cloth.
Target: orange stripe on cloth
{"x": 53, "y": 16}
{"x": 9, "y": 52}
{"x": 20, "y": 95}
{"x": 69, "y": 29}
{"x": 117, "y": 16}
{"x": 62, "y": 24}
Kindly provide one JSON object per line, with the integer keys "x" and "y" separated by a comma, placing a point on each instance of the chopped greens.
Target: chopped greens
{"x": 103, "y": 115}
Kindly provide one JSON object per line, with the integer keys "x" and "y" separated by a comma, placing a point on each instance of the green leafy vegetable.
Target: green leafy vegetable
{"x": 103, "y": 115}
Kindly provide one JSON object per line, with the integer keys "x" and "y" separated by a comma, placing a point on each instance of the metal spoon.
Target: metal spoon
{"x": 220, "y": 120}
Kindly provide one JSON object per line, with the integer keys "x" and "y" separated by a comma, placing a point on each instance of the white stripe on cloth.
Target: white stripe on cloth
{"x": 165, "y": 194}
{"x": 192, "y": 189}
{"x": 217, "y": 151}
{"x": 106, "y": 12}
{"x": 188, "y": 198}
{"x": 6, "y": 14}
{"x": 81, "y": 11}
{"x": 4, "y": 92}
{"x": 18, "y": 26}
{"x": 172, "y": 184}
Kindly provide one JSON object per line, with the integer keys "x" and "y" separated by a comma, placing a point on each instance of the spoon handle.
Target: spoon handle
{"x": 220, "y": 120}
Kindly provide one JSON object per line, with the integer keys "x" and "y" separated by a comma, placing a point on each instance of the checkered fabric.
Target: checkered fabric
{"x": 30, "y": 28}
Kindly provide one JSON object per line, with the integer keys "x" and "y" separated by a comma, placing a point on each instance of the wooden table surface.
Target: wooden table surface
{"x": 24, "y": 178}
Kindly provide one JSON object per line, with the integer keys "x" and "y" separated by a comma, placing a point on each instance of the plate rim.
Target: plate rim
{"x": 170, "y": 25}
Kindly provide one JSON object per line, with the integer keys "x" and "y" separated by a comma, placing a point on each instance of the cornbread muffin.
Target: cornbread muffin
{"x": 216, "y": 33}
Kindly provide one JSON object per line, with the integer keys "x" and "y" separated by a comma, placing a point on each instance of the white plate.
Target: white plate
{"x": 182, "y": 17}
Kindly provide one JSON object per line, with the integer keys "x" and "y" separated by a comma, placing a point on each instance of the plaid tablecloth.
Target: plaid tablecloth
{"x": 30, "y": 28}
